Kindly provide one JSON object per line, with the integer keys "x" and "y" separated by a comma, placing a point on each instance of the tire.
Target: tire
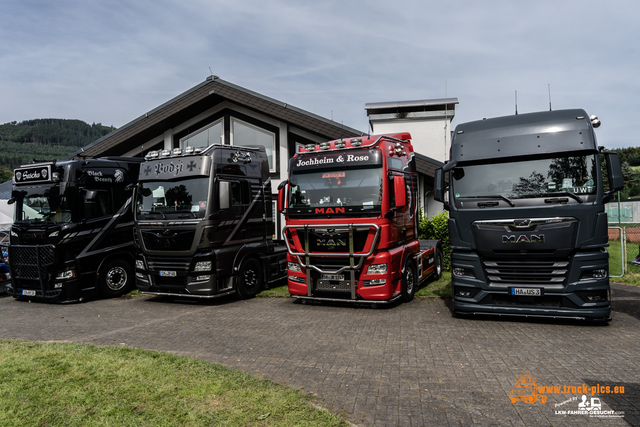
{"x": 116, "y": 278}
{"x": 250, "y": 280}
{"x": 437, "y": 274}
{"x": 409, "y": 282}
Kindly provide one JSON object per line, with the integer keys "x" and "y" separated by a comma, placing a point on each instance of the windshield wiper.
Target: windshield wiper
{"x": 152, "y": 213}
{"x": 565, "y": 193}
{"x": 493, "y": 196}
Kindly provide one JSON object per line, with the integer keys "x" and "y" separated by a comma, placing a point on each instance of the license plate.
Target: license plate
{"x": 339, "y": 277}
{"x": 167, "y": 273}
{"x": 28, "y": 293}
{"x": 526, "y": 292}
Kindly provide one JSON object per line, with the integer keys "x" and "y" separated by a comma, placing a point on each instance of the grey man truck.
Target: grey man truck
{"x": 72, "y": 236}
{"x": 527, "y": 226}
{"x": 204, "y": 223}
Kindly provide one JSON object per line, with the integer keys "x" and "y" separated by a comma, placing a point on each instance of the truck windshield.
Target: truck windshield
{"x": 162, "y": 198}
{"x": 360, "y": 188}
{"x": 33, "y": 209}
{"x": 572, "y": 176}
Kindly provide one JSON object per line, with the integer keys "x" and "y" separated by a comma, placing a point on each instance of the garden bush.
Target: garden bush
{"x": 437, "y": 228}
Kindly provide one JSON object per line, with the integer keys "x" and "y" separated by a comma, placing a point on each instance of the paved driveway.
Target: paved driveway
{"x": 412, "y": 364}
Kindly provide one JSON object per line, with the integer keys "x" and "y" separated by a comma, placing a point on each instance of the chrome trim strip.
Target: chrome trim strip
{"x": 170, "y": 294}
{"x": 524, "y": 222}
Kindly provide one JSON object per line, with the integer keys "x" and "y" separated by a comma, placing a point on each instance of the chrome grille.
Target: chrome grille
{"x": 526, "y": 272}
{"x": 167, "y": 264}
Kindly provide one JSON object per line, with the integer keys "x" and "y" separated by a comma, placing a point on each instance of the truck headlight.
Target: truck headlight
{"x": 377, "y": 269}
{"x": 375, "y": 282}
{"x": 140, "y": 264}
{"x": 67, "y": 274}
{"x": 297, "y": 279}
{"x": 202, "y": 266}
{"x": 463, "y": 272}
{"x": 294, "y": 266}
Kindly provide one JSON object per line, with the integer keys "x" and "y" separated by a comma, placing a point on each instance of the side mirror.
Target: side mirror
{"x": 11, "y": 201}
{"x": 224, "y": 192}
{"x": 614, "y": 172}
{"x": 282, "y": 196}
{"x": 438, "y": 185}
{"x": 400, "y": 191}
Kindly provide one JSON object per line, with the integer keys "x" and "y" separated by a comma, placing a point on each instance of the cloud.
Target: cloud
{"x": 111, "y": 61}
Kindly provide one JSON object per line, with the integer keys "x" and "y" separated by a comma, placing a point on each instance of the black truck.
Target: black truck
{"x": 204, "y": 223}
{"x": 527, "y": 225}
{"x": 73, "y": 226}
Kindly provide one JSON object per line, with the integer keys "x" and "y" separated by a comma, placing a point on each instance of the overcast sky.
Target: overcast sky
{"x": 112, "y": 61}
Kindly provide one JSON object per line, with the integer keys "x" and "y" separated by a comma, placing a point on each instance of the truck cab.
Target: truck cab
{"x": 527, "y": 226}
{"x": 351, "y": 228}
{"x": 72, "y": 233}
{"x": 204, "y": 223}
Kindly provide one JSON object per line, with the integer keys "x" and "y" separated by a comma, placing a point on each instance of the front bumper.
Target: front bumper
{"x": 594, "y": 314}
{"x": 174, "y": 277}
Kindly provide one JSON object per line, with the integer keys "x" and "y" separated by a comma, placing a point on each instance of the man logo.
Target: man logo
{"x": 329, "y": 210}
{"x": 523, "y": 239}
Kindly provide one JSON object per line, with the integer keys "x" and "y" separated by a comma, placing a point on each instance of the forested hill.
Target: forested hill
{"x": 45, "y": 139}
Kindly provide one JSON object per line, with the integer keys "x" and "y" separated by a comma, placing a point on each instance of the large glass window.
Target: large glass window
{"x": 252, "y": 136}
{"x": 202, "y": 138}
{"x": 571, "y": 175}
{"x": 186, "y": 196}
{"x": 356, "y": 187}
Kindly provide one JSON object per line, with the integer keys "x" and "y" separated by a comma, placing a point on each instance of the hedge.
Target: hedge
{"x": 437, "y": 228}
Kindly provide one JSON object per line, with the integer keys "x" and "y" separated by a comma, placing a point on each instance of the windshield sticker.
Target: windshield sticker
{"x": 173, "y": 168}
{"x": 334, "y": 175}
{"x": 367, "y": 157}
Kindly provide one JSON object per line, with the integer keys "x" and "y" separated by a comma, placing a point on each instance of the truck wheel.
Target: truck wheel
{"x": 437, "y": 274}
{"x": 249, "y": 279}
{"x": 116, "y": 278}
{"x": 409, "y": 282}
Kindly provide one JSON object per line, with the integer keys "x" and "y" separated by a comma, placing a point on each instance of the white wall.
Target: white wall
{"x": 430, "y": 137}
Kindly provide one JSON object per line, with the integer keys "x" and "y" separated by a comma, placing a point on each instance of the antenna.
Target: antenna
{"x": 549, "y": 87}
{"x": 211, "y": 71}
{"x": 516, "y": 103}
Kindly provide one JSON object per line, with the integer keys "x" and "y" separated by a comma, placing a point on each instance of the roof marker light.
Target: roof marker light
{"x": 356, "y": 142}
{"x": 176, "y": 151}
{"x": 324, "y": 145}
{"x": 340, "y": 144}
{"x": 165, "y": 153}
{"x": 310, "y": 147}
{"x": 189, "y": 150}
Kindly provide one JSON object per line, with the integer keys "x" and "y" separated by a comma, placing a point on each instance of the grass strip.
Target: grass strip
{"x": 63, "y": 384}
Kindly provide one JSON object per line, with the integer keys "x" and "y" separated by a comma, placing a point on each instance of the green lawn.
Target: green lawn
{"x": 56, "y": 384}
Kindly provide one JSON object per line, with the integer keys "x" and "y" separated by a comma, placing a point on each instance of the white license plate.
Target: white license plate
{"x": 339, "y": 277}
{"x": 526, "y": 292}
{"x": 167, "y": 273}
{"x": 28, "y": 293}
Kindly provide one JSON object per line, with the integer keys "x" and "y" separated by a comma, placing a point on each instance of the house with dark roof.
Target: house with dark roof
{"x": 217, "y": 111}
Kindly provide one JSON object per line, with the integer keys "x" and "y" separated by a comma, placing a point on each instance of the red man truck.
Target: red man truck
{"x": 351, "y": 214}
